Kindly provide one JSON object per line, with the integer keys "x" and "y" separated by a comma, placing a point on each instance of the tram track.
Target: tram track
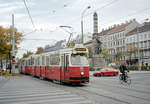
{"x": 110, "y": 90}
{"x": 84, "y": 92}
{"x": 109, "y": 97}
{"x": 130, "y": 87}
{"x": 102, "y": 95}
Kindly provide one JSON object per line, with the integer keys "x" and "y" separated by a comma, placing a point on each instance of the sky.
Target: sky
{"x": 48, "y": 15}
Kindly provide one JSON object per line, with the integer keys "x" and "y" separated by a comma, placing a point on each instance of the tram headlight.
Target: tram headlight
{"x": 82, "y": 73}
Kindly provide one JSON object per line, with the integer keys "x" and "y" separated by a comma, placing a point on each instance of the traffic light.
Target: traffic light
{"x": 13, "y": 57}
{"x": 13, "y": 60}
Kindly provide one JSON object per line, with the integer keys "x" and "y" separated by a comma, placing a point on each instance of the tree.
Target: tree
{"x": 39, "y": 50}
{"x": 5, "y": 42}
{"x": 105, "y": 54}
{"x": 29, "y": 53}
{"x": 118, "y": 55}
{"x": 131, "y": 50}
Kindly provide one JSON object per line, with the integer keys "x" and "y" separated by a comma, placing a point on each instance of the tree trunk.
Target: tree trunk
{"x": 1, "y": 65}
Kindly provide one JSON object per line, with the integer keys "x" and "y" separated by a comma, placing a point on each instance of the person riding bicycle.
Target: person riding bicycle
{"x": 122, "y": 69}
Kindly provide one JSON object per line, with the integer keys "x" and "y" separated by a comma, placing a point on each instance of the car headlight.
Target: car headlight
{"x": 82, "y": 73}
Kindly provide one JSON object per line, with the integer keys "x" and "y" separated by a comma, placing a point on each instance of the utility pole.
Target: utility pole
{"x": 138, "y": 46}
{"x": 13, "y": 46}
{"x": 82, "y": 40}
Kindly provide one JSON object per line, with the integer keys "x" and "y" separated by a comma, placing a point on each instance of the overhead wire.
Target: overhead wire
{"x": 52, "y": 40}
{"x": 108, "y": 4}
{"x": 24, "y": 1}
{"x": 29, "y": 14}
{"x": 131, "y": 14}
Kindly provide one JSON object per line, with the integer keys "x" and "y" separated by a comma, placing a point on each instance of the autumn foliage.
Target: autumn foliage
{"x": 5, "y": 42}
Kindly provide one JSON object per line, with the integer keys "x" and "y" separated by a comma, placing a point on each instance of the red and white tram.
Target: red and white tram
{"x": 69, "y": 65}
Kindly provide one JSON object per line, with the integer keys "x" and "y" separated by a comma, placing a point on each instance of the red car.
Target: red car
{"x": 106, "y": 72}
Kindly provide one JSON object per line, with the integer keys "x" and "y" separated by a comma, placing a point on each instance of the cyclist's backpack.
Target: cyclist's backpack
{"x": 121, "y": 69}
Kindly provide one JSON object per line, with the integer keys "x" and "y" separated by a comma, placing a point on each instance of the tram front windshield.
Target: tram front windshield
{"x": 79, "y": 59}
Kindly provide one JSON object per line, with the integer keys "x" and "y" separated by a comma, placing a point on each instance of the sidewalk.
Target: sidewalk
{"x": 139, "y": 72}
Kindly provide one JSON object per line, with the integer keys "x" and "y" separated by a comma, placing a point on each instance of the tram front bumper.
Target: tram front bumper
{"x": 79, "y": 79}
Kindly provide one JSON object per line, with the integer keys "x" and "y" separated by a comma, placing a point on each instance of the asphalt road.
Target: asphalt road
{"x": 100, "y": 90}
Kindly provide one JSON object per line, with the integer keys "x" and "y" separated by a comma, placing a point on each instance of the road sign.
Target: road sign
{"x": 13, "y": 62}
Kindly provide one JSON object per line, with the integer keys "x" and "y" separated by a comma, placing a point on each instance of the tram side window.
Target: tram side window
{"x": 35, "y": 61}
{"x": 47, "y": 60}
{"x": 43, "y": 60}
{"x": 67, "y": 62}
{"x": 62, "y": 62}
{"x": 38, "y": 61}
{"x": 54, "y": 59}
{"x": 26, "y": 62}
{"x": 29, "y": 62}
{"x": 32, "y": 61}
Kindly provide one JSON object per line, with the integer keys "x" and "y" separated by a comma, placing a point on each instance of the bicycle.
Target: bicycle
{"x": 127, "y": 79}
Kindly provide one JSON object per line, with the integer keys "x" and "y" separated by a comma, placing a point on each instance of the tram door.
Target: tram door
{"x": 65, "y": 66}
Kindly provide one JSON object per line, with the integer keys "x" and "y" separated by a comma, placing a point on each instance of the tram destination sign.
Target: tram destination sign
{"x": 80, "y": 49}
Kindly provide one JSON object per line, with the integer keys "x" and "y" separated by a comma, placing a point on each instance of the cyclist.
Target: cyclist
{"x": 122, "y": 69}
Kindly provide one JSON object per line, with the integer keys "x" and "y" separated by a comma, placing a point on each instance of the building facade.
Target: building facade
{"x": 114, "y": 38}
{"x": 141, "y": 36}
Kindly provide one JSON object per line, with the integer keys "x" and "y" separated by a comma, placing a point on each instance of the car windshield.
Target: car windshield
{"x": 103, "y": 69}
{"x": 79, "y": 59}
{"x": 108, "y": 69}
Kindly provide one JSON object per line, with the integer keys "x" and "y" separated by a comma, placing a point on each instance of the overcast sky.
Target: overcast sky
{"x": 48, "y": 15}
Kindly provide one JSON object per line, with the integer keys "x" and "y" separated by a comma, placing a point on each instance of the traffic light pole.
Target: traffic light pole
{"x": 13, "y": 45}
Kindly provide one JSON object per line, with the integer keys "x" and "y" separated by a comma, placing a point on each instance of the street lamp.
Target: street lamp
{"x": 67, "y": 32}
{"x": 138, "y": 45}
{"x": 82, "y": 21}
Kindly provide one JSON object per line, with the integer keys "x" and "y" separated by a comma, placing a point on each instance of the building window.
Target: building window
{"x": 148, "y": 43}
{"x": 123, "y": 42}
{"x": 145, "y": 36}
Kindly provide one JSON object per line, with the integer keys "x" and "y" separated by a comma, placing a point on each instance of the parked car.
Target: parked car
{"x": 106, "y": 72}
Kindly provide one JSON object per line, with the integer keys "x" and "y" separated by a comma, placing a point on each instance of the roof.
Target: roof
{"x": 57, "y": 46}
{"x": 144, "y": 28}
{"x": 119, "y": 28}
{"x": 115, "y": 28}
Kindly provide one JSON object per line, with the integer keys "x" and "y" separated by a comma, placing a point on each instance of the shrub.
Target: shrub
{"x": 145, "y": 68}
{"x": 132, "y": 68}
{"x": 115, "y": 67}
{"x": 98, "y": 68}
{"x": 92, "y": 69}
